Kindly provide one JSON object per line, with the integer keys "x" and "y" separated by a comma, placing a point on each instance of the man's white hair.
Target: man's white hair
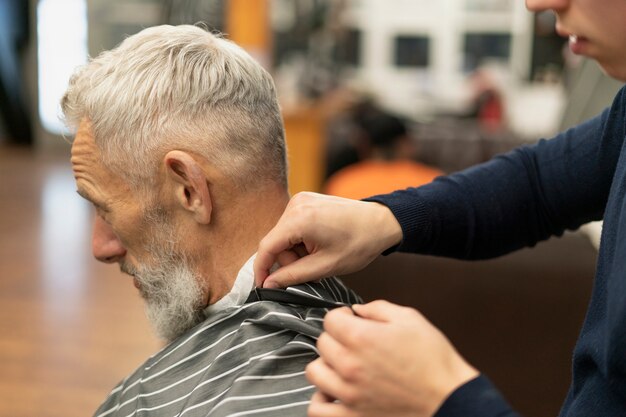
{"x": 180, "y": 87}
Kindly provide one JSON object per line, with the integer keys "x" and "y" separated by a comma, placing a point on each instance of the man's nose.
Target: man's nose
{"x": 105, "y": 244}
{"x": 540, "y": 5}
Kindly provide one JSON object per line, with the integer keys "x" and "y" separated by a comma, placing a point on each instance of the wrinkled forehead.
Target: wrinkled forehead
{"x": 85, "y": 152}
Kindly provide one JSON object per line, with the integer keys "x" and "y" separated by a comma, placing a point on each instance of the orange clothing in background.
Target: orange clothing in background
{"x": 368, "y": 178}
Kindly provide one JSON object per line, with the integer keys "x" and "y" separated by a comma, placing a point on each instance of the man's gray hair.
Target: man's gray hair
{"x": 180, "y": 87}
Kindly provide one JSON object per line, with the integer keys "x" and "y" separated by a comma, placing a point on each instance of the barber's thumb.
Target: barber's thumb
{"x": 281, "y": 278}
{"x": 271, "y": 283}
{"x": 380, "y": 310}
{"x": 295, "y": 273}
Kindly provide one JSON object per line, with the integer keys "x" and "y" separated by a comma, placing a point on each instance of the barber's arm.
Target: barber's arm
{"x": 390, "y": 361}
{"x": 514, "y": 200}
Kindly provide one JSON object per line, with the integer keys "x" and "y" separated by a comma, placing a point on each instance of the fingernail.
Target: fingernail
{"x": 270, "y": 284}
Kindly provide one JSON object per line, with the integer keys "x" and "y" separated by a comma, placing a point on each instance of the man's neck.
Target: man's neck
{"x": 236, "y": 237}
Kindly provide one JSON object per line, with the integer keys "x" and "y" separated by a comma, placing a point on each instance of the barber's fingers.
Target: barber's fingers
{"x": 353, "y": 332}
{"x": 283, "y": 244}
{"x": 329, "y": 382}
{"x": 339, "y": 358}
{"x": 307, "y": 268}
{"x": 320, "y": 397}
{"x": 270, "y": 249}
{"x": 321, "y": 406}
{"x": 287, "y": 234}
{"x": 290, "y": 256}
{"x": 356, "y": 332}
{"x": 384, "y": 311}
{"x": 287, "y": 257}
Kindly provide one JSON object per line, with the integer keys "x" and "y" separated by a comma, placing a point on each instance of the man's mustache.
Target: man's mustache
{"x": 128, "y": 268}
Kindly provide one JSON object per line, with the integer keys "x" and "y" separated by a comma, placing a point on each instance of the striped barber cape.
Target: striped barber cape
{"x": 247, "y": 360}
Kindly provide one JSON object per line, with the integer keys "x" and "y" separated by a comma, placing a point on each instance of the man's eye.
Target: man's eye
{"x": 100, "y": 212}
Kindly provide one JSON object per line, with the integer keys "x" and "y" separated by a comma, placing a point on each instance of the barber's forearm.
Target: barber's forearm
{"x": 514, "y": 200}
{"x": 483, "y": 212}
{"x": 476, "y": 398}
{"x": 386, "y": 230}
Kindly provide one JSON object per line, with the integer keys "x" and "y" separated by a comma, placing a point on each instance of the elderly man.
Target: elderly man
{"x": 180, "y": 147}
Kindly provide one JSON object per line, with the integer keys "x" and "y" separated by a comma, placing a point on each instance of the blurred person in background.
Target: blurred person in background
{"x": 487, "y": 102}
{"x": 180, "y": 147}
{"x": 388, "y": 360}
{"x": 387, "y": 158}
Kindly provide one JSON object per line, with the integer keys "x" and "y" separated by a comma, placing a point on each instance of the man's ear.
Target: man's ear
{"x": 189, "y": 185}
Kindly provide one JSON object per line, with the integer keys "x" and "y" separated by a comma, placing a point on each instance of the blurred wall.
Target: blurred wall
{"x": 447, "y": 29}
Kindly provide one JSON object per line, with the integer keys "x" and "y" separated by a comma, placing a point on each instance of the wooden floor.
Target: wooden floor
{"x": 70, "y": 328}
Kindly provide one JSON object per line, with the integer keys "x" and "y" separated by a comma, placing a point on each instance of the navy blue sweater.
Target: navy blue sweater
{"x": 523, "y": 197}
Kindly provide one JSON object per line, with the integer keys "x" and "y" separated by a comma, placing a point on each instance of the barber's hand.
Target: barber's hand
{"x": 389, "y": 361}
{"x": 319, "y": 236}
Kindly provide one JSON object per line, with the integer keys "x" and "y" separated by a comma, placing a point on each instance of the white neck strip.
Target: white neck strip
{"x": 240, "y": 291}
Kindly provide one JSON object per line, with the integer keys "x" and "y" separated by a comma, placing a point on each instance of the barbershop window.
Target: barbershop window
{"x": 348, "y": 48}
{"x": 489, "y": 5}
{"x": 62, "y": 46}
{"x": 411, "y": 51}
{"x": 481, "y": 47}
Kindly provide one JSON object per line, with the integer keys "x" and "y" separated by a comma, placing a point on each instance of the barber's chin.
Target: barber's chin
{"x": 614, "y": 71}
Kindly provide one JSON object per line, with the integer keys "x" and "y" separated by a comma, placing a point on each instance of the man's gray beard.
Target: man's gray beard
{"x": 172, "y": 291}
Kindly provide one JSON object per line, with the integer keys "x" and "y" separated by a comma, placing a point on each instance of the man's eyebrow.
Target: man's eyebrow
{"x": 82, "y": 194}
{"x": 86, "y": 196}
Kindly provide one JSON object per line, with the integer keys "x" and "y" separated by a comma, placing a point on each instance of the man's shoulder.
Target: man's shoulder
{"x": 232, "y": 356}
{"x": 235, "y": 354}
{"x": 250, "y": 321}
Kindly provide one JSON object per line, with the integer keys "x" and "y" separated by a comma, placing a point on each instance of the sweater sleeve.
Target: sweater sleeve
{"x": 516, "y": 199}
{"x": 476, "y": 398}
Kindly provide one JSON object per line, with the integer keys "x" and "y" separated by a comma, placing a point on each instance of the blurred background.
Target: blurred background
{"x": 376, "y": 95}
